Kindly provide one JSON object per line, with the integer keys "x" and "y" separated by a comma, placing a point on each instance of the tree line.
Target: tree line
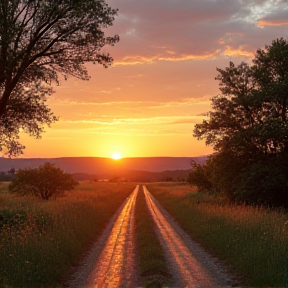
{"x": 248, "y": 129}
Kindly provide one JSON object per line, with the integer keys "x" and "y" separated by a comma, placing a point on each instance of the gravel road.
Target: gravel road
{"x": 111, "y": 262}
{"x": 190, "y": 265}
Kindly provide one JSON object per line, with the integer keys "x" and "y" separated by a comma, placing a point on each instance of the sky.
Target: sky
{"x": 162, "y": 78}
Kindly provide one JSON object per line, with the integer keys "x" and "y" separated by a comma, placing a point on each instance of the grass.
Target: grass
{"x": 151, "y": 259}
{"x": 4, "y": 187}
{"x": 251, "y": 241}
{"x": 41, "y": 240}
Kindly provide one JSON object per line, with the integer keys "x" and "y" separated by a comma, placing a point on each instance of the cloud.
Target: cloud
{"x": 274, "y": 19}
{"x": 240, "y": 51}
{"x": 262, "y": 23}
{"x": 170, "y": 57}
{"x": 130, "y": 104}
{"x": 177, "y": 119}
{"x": 191, "y": 30}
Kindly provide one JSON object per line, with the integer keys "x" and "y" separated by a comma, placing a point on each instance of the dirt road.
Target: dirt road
{"x": 190, "y": 265}
{"x": 115, "y": 253}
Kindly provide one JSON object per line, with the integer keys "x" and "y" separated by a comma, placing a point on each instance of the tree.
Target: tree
{"x": 199, "y": 176}
{"x": 39, "y": 41}
{"x": 248, "y": 126}
{"x": 25, "y": 110}
{"x": 263, "y": 183}
{"x": 251, "y": 113}
{"x": 44, "y": 182}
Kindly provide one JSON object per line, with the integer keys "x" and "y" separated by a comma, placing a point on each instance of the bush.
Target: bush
{"x": 43, "y": 182}
{"x": 262, "y": 183}
{"x": 199, "y": 177}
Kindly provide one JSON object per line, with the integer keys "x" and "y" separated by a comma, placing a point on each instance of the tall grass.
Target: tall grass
{"x": 41, "y": 240}
{"x": 151, "y": 260}
{"x": 4, "y": 187}
{"x": 251, "y": 241}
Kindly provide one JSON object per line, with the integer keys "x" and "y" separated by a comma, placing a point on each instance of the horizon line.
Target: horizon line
{"x": 61, "y": 157}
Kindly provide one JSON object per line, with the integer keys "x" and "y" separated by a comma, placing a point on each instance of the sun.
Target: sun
{"x": 116, "y": 156}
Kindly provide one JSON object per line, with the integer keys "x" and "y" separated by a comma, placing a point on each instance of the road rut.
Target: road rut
{"x": 190, "y": 265}
{"x": 116, "y": 261}
{"x": 114, "y": 254}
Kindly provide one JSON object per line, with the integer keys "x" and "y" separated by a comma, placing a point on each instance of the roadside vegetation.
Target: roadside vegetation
{"x": 41, "y": 240}
{"x": 250, "y": 241}
{"x": 43, "y": 182}
{"x": 151, "y": 259}
{"x": 248, "y": 128}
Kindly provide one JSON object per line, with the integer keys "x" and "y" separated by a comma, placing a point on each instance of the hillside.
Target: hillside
{"x": 97, "y": 165}
{"x": 135, "y": 176}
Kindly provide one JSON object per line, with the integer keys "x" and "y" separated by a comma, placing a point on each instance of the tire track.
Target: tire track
{"x": 115, "y": 264}
{"x": 189, "y": 263}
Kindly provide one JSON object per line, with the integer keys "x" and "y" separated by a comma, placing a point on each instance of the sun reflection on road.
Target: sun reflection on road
{"x": 115, "y": 266}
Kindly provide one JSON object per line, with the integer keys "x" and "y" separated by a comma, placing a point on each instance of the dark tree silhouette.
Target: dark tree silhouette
{"x": 44, "y": 182}
{"x": 40, "y": 40}
{"x": 248, "y": 128}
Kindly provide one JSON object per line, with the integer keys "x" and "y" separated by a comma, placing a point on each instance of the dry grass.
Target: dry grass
{"x": 41, "y": 240}
{"x": 252, "y": 241}
{"x": 4, "y": 188}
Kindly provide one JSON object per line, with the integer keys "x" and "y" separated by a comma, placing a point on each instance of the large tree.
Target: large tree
{"x": 250, "y": 115}
{"x": 248, "y": 127}
{"x": 40, "y": 40}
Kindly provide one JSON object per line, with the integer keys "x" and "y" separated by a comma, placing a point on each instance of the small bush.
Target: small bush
{"x": 43, "y": 182}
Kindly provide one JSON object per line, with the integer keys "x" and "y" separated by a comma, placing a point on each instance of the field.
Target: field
{"x": 41, "y": 240}
{"x": 251, "y": 242}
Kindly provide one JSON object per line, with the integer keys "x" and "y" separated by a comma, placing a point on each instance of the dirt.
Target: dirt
{"x": 111, "y": 262}
{"x": 190, "y": 265}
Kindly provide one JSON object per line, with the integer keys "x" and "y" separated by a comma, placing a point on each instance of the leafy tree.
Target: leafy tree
{"x": 262, "y": 183}
{"x": 26, "y": 110}
{"x": 248, "y": 127}
{"x": 199, "y": 176}
{"x": 40, "y": 40}
{"x": 44, "y": 182}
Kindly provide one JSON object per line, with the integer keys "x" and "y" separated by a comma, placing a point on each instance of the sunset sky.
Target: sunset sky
{"x": 162, "y": 78}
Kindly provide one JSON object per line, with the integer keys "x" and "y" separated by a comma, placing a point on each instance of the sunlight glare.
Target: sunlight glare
{"x": 116, "y": 156}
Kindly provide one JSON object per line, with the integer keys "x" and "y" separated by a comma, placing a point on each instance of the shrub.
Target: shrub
{"x": 43, "y": 182}
{"x": 199, "y": 177}
{"x": 262, "y": 183}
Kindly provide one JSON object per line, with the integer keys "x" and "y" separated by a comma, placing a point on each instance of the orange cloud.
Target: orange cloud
{"x": 136, "y": 121}
{"x": 221, "y": 41}
{"x": 172, "y": 57}
{"x": 190, "y": 57}
{"x": 263, "y": 23}
{"x": 240, "y": 51}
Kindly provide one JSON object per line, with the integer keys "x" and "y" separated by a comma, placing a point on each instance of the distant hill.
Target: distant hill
{"x": 135, "y": 176}
{"x": 98, "y": 165}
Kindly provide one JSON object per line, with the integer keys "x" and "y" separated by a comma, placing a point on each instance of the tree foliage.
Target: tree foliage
{"x": 44, "y": 182}
{"x": 200, "y": 177}
{"x": 248, "y": 128}
{"x": 40, "y": 40}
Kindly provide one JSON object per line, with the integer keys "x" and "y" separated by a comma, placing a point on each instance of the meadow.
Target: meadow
{"x": 41, "y": 240}
{"x": 252, "y": 242}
